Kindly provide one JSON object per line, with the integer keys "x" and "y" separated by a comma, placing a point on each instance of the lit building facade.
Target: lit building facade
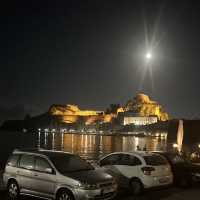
{"x": 133, "y": 118}
{"x": 140, "y": 121}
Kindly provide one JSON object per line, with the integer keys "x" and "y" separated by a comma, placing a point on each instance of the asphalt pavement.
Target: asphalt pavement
{"x": 171, "y": 193}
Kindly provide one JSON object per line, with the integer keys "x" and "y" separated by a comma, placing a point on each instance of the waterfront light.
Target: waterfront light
{"x": 63, "y": 130}
{"x": 175, "y": 145}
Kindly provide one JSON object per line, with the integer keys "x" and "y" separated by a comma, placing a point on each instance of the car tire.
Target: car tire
{"x": 136, "y": 187}
{"x": 64, "y": 195}
{"x": 13, "y": 190}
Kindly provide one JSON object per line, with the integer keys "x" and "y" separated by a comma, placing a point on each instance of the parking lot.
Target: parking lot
{"x": 171, "y": 193}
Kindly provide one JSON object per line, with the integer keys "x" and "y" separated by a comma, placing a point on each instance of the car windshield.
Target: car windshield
{"x": 155, "y": 160}
{"x": 65, "y": 163}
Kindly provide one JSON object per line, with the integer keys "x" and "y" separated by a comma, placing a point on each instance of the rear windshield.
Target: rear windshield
{"x": 155, "y": 160}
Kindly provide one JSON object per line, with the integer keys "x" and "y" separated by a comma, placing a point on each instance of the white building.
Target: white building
{"x": 139, "y": 120}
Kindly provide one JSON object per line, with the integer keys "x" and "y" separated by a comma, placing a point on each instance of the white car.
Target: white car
{"x": 138, "y": 170}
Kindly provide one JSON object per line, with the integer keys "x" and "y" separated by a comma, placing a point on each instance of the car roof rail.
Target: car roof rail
{"x": 27, "y": 149}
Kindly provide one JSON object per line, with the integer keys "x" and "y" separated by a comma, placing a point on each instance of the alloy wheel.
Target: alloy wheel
{"x": 13, "y": 191}
{"x": 65, "y": 196}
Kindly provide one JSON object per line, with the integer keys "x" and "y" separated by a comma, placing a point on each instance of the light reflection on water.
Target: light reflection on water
{"x": 90, "y": 146}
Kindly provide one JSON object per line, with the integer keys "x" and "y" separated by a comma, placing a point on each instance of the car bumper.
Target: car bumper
{"x": 98, "y": 194}
{"x": 150, "y": 181}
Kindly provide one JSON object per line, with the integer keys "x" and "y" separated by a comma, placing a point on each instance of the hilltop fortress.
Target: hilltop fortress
{"x": 140, "y": 110}
{"x": 135, "y": 113}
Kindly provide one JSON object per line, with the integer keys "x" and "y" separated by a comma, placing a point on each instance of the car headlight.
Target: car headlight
{"x": 86, "y": 186}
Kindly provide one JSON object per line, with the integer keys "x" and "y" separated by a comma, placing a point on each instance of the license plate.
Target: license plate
{"x": 163, "y": 180}
{"x": 106, "y": 190}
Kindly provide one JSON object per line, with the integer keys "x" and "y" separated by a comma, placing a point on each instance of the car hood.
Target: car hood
{"x": 90, "y": 176}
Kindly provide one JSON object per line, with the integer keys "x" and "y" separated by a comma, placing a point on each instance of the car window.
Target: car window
{"x": 110, "y": 160}
{"x": 27, "y": 162}
{"x": 155, "y": 160}
{"x": 124, "y": 160}
{"x": 41, "y": 164}
{"x": 129, "y": 160}
{"x": 12, "y": 161}
{"x": 137, "y": 161}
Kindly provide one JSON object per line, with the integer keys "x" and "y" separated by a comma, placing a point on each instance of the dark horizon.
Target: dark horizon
{"x": 91, "y": 53}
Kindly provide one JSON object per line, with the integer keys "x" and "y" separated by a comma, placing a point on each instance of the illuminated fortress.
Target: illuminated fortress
{"x": 140, "y": 110}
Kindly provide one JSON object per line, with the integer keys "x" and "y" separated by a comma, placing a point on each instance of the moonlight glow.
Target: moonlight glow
{"x": 148, "y": 56}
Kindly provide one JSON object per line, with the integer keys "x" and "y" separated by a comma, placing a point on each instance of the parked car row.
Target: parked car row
{"x": 65, "y": 176}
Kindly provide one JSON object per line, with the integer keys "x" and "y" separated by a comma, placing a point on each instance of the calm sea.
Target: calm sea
{"x": 88, "y": 146}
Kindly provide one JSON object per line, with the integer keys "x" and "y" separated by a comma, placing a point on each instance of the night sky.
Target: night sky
{"x": 92, "y": 53}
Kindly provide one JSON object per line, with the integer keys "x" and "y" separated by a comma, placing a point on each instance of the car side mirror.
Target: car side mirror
{"x": 101, "y": 164}
{"x": 49, "y": 170}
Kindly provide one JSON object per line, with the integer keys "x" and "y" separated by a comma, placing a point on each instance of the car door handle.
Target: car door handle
{"x": 35, "y": 175}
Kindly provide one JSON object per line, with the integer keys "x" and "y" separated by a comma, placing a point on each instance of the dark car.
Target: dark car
{"x": 184, "y": 172}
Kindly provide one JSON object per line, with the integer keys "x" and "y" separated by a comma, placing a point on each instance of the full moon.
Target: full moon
{"x": 148, "y": 56}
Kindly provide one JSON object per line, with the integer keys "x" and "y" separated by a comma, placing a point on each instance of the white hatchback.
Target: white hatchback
{"x": 138, "y": 170}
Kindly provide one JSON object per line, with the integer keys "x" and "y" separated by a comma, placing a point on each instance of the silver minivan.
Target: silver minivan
{"x": 55, "y": 175}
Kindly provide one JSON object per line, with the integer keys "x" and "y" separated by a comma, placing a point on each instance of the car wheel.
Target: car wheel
{"x": 136, "y": 187}
{"x": 64, "y": 195}
{"x": 13, "y": 190}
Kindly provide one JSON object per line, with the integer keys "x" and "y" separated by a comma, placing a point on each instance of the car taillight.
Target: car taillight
{"x": 147, "y": 170}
